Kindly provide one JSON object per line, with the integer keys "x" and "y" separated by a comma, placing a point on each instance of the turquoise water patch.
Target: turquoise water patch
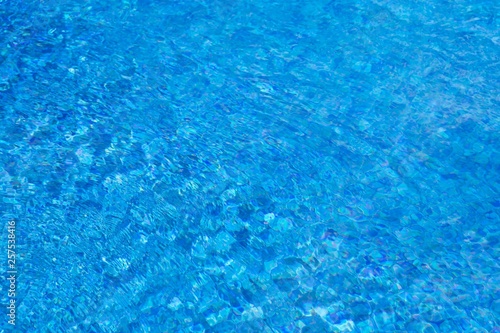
{"x": 251, "y": 166}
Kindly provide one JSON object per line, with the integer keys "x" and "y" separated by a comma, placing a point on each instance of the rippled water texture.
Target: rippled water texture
{"x": 251, "y": 166}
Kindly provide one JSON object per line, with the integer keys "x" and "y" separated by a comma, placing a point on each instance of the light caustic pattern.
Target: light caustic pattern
{"x": 251, "y": 166}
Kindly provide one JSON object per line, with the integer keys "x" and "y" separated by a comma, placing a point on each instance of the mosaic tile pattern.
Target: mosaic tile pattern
{"x": 252, "y": 166}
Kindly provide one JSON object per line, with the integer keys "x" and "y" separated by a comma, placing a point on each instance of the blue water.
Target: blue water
{"x": 251, "y": 166}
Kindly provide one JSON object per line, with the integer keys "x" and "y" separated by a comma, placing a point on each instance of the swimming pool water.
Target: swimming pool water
{"x": 251, "y": 166}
